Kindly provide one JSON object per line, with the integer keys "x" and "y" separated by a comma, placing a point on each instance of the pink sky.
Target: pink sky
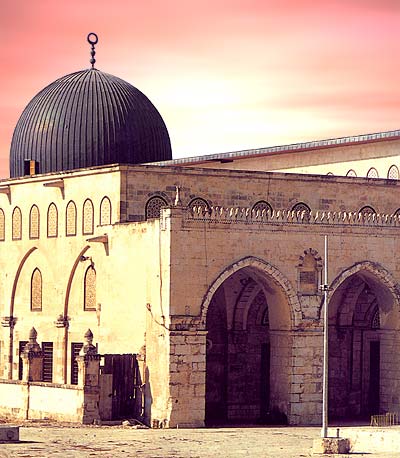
{"x": 225, "y": 74}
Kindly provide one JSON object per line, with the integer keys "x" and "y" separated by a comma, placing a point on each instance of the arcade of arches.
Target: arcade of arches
{"x": 363, "y": 336}
{"x": 250, "y": 352}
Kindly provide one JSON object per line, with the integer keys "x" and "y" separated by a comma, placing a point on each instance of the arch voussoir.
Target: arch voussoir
{"x": 270, "y": 271}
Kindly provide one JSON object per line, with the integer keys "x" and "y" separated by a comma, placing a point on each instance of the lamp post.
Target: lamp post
{"x": 325, "y": 288}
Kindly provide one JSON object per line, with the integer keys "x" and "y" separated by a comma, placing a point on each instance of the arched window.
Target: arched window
{"x": 393, "y": 173}
{"x": 199, "y": 205}
{"x": 153, "y": 207}
{"x": 88, "y": 217}
{"x": 367, "y": 210}
{"x": 2, "y": 225}
{"x": 90, "y": 289}
{"x": 376, "y": 321}
{"x": 302, "y": 210}
{"x": 70, "y": 218}
{"x": 260, "y": 207}
{"x": 351, "y": 173}
{"x": 372, "y": 173}
{"x": 34, "y": 222}
{"x": 36, "y": 291}
{"x": 105, "y": 211}
{"x": 52, "y": 221}
{"x": 17, "y": 224}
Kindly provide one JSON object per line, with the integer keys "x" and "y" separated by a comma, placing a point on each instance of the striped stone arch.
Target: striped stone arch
{"x": 378, "y": 271}
{"x": 270, "y": 272}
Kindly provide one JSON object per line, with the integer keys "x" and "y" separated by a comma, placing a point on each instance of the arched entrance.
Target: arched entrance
{"x": 249, "y": 346}
{"x": 364, "y": 375}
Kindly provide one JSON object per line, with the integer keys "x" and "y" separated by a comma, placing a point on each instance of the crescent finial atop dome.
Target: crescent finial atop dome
{"x": 92, "y": 39}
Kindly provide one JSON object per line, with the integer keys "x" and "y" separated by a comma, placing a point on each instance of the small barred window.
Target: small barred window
{"x": 36, "y": 291}
{"x": 199, "y": 205}
{"x": 52, "y": 221}
{"x": 88, "y": 217}
{"x": 90, "y": 289}
{"x": 351, "y": 173}
{"x": 372, "y": 173}
{"x": 376, "y": 321}
{"x": 367, "y": 210}
{"x": 70, "y": 219}
{"x": 16, "y": 224}
{"x": 261, "y": 207}
{"x": 34, "y": 223}
{"x": 302, "y": 210}
{"x": 2, "y": 226}
{"x": 393, "y": 173}
{"x": 105, "y": 211}
{"x": 153, "y": 207}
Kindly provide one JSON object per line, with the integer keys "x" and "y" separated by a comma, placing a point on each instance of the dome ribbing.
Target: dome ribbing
{"x": 85, "y": 119}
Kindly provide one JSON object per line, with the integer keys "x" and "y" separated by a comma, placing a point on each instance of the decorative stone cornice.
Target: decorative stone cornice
{"x": 228, "y": 215}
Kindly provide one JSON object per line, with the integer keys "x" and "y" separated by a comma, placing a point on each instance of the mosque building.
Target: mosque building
{"x": 188, "y": 291}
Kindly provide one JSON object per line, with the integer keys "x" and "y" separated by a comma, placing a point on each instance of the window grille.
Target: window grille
{"x": 153, "y": 207}
{"x": 52, "y": 221}
{"x": 34, "y": 223}
{"x": 16, "y": 224}
{"x": 88, "y": 217}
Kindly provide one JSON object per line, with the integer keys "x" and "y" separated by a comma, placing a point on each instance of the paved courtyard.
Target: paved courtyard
{"x": 51, "y": 441}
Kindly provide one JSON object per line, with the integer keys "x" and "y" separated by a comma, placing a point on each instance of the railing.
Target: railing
{"x": 247, "y": 215}
{"x": 388, "y": 419}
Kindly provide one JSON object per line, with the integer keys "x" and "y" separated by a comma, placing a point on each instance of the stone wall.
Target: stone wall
{"x": 23, "y": 401}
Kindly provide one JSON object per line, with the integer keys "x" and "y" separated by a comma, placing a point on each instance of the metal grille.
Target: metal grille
{"x": 153, "y": 207}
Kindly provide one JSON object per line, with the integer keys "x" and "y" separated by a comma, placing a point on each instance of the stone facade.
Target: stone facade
{"x": 215, "y": 287}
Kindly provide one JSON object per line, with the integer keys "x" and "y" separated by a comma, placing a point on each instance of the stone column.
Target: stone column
{"x": 88, "y": 379}
{"x": 187, "y": 377}
{"x": 32, "y": 359}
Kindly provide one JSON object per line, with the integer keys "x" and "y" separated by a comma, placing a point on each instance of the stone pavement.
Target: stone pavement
{"x": 46, "y": 440}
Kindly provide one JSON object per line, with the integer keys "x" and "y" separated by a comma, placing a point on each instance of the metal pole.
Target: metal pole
{"x": 324, "y": 287}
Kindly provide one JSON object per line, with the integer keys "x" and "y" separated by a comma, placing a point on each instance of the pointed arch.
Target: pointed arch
{"x": 36, "y": 291}
{"x": 372, "y": 173}
{"x": 89, "y": 302}
{"x": 264, "y": 268}
{"x": 378, "y": 271}
{"x": 17, "y": 224}
{"x": 105, "y": 211}
{"x": 34, "y": 222}
{"x": 393, "y": 172}
{"x": 153, "y": 207}
{"x": 87, "y": 217}
{"x": 52, "y": 220}
{"x": 70, "y": 219}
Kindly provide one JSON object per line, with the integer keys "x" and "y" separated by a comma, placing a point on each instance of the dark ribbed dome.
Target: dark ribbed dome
{"x": 85, "y": 119}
